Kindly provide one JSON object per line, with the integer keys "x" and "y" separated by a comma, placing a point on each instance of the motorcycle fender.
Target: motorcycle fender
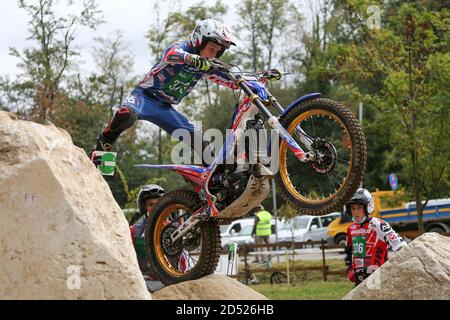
{"x": 310, "y": 96}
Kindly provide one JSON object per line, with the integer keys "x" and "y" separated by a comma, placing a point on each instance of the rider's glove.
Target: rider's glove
{"x": 200, "y": 63}
{"x": 351, "y": 275}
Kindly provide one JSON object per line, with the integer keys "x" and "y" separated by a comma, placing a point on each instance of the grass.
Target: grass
{"x": 309, "y": 285}
{"x": 311, "y": 290}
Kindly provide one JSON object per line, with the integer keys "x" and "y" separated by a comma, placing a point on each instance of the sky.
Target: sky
{"x": 133, "y": 17}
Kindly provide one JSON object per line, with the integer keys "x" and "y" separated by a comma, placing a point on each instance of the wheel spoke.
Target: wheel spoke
{"x": 299, "y": 171}
{"x": 332, "y": 184}
{"x": 331, "y": 178}
{"x": 314, "y": 129}
{"x": 194, "y": 260}
{"x": 343, "y": 161}
{"x": 320, "y": 189}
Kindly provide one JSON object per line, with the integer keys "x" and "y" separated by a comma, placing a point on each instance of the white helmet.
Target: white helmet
{"x": 211, "y": 30}
{"x": 364, "y": 197}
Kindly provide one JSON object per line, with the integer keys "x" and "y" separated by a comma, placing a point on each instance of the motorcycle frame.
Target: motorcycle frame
{"x": 248, "y": 107}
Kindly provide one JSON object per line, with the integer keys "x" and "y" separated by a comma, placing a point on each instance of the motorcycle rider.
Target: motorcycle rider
{"x": 368, "y": 238}
{"x": 173, "y": 77}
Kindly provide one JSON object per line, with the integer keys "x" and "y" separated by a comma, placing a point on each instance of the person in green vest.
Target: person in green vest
{"x": 262, "y": 230}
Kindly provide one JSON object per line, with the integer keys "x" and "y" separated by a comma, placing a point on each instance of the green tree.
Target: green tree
{"x": 265, "y": 29}
{"x": 115, "y": 65}
{"x": 45, "y": 65}
{"x": 408, "y": 59}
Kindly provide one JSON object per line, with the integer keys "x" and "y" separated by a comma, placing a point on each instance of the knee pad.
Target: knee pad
{"x": 123, "y": 119}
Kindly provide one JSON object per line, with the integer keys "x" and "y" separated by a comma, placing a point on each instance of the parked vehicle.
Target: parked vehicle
{"x": 306, "y": 228}
{"x": 302, "y": 229}
{"x": 402, "y": 217}
{"x": 238, "y": 231}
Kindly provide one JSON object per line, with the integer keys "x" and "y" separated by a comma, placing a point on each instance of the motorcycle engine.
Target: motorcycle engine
{"x": 230, "y": 186}
{"x": 237, "y": 183}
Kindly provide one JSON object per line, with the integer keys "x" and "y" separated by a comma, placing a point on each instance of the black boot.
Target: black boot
{"x": 103, "y": 144}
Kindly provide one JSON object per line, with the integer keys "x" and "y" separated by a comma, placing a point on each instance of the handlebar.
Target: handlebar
{"x": 238, "y": 78}
{"x": 220, "y": 66}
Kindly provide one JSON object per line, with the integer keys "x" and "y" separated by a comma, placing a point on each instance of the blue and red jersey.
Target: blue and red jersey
{"x": 172, "y": 79}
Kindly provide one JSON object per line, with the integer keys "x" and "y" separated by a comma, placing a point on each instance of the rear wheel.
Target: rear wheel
{"x": 193, "y": 256}
{"x": 325, "y": 185}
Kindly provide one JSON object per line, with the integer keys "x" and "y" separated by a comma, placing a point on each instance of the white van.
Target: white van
{"x": 238, "y": 231}
{"x": 305, "y": 228}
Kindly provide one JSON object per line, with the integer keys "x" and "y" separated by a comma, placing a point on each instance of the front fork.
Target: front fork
{"x": 190, "y": 223}
{"x": 293, "y": 145}
{"x": 275, "y": 124}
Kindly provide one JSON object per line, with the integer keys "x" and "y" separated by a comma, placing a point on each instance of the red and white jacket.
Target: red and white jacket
{"x": 368, "y": 244}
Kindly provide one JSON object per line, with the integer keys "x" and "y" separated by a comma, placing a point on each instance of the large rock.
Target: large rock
{"x": 58, "y": 220}
{"x": 213, "y": 287}
{"x": 419, "y": 271}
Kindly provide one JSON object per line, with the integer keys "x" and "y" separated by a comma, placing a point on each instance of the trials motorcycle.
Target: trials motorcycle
{"x": 321, "y": 153}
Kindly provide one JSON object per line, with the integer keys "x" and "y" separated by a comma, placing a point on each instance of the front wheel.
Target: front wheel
{"x": 326, "y": 184}
{"x": 193, "y": 256}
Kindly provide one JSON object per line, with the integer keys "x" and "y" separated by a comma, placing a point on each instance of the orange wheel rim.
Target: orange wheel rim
{"x": 284, "y": 151}
{"x": 159, "y": 250}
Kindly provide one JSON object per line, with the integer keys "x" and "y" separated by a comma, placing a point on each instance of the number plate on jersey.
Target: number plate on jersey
{"x": 359, "y": 246}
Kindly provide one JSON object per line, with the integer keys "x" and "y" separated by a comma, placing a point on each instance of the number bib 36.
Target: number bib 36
{"x": 359, "y": 246}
